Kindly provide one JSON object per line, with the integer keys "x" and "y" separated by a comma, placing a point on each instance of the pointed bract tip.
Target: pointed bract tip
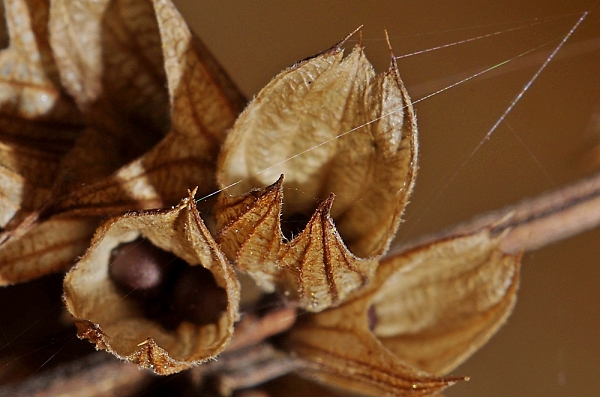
{"x": 325, "y": 207}
{"x": 393, "y": 64}
{"x": 192, "y": 193}
{"x": 278, "y": 185}
{"x": 280, "y": 180}
{"x": 345, "y": 39}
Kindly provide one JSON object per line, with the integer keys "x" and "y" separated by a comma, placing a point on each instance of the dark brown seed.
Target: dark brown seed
{"x": 167, "y": 289}
{"x": 197, "y": 297}
{"x": 139, "y": 267}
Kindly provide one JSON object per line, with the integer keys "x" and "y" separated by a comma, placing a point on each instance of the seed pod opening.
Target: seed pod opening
{"x": 165, "y": 287}
{"x": 155, "y": 289}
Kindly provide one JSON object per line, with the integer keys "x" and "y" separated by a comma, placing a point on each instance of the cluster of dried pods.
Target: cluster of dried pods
{"x": 89, "y": 131}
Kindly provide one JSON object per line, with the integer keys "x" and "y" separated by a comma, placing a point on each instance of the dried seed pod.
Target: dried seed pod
{"x": 357, "y": 136}
{"x": 439, "y": 303}
{"x": 315, "y": 270}
{"x": 119, "y": 88}
{"x": 356, "y": 133}
{"x": 425, "y": 312}
{"x": 156, "y": 111}
{"x": 39, "y": 124}
{"x": 120, "y": 326}
{"x": 36, "y": 117}
{"x": 122, "y": 88}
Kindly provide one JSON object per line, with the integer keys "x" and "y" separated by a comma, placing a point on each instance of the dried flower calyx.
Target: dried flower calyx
{"x": 148, "y": 113}
{"x": 330, "y": 125}
{"x": 425, "y": 312}
{"x": 155, "y": 289}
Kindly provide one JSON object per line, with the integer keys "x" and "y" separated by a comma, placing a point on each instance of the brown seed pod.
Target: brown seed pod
{"x": 171, "y": 255}
{"x": 427, "y": 309}
{"x": 299, "y": 126}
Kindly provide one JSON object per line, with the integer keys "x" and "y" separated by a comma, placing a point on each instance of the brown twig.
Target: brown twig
{"x": 255, "y": 369}
{"x": 535, "y": 222}
{"x": 252, "y": 329}
{"x": 97, "y": 375}
{"x": 249, "y": 360}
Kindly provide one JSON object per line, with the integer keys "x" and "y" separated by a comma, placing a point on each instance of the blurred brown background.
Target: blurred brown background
{"x": 551, "y": 344}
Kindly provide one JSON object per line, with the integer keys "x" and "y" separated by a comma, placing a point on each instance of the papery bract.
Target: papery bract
{"x": 330, "y": 125}
{"x": 114, "y": 323}
{"x": 144, "y": 144}
{"x": 427, "y": 309}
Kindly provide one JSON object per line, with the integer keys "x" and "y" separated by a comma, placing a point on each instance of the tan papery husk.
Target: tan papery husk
{"x": 117, "y": 325}
{"x": 427, "y": 310}
{"x": 156, "y": 111}
{"x": 332, "y": 126}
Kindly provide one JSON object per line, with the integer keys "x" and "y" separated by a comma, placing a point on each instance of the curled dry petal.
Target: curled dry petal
{"x": 429, "y": 308}
{"x": 204, "y": 103}
{"x": 39, "y": 125}
{"x": 118, "y": 324}
{"x": 31, "y": 247}
{"x": 49, "y": 247}
{"x": 115, "y": 58}
{"x": 25, "y": 181}
{"x": 110, "y": 60}
{"x": 34, "y": 111}
{"x": 435, "y": 305}
{"x": 204, "y": 100}
{"x": 38, "y": 122}
{"x": 331, "y": 125}
{"x": 337, "y": 349}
